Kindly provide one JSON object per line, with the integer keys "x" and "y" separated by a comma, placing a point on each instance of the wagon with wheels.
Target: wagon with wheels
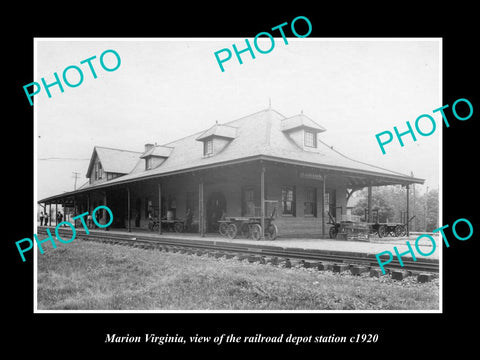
{"x": 349, "y": 228}
{"x": 333, "y": 231}
{"x": 250, "y": 226}
{"x": 176, "y": 225}
{"x": 153, "y": 224}
{"x": 387, "y": 229}
{"x": 390, "y": 229}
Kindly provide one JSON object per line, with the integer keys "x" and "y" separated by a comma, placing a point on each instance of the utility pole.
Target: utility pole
{"x": 76, "y": 176}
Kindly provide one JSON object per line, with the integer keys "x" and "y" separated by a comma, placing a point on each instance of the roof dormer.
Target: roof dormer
{"x": 107, "y": 164}
{"x": 216, "y": 138}
{"x": 155, "y": 155}
{"x": 303, "y": 131}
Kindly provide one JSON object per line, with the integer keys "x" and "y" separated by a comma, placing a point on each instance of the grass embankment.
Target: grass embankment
{"x": 88, "y": 275}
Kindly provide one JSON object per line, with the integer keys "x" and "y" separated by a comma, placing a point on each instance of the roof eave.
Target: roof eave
{"x": 396, "y": 179}
{"x": 403, "y": 178}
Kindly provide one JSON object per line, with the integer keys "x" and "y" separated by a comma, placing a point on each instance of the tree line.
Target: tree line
{"x": 391, "y": 202}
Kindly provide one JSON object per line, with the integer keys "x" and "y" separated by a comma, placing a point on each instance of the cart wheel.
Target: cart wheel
{"x": 333, "y": 232}
{"x": 222, "y": 229}
{"x": 382, "y": 231}
{"x": 232, "y": 231}
{"x": 272, "y": 231}
{"x": 245, "y": 230}
{"x": 400, "y": 230}
{"x": 256, "y": 231}
{"x": 178, "y": 227}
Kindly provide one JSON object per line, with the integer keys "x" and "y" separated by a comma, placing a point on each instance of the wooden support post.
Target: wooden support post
{"x": 160, "y": 208}
{"x": 262, "y": 202}
{"x": 62, "y": 202}
{"x": 201, "y": 214}
{"x": 426, "y": 209}
{"x": 74, "y": 212}
{"x": 56, "y": 212}
{"x": 128, "y": 210}
{"x": 89, "y": 224}
{"x": 323, "y": 205}
{"x": 369, "y": 204}
{"x": 50, "y": 214}
{"x": 408, "y": 206}
{"x": 104, "y": 210}
{"x": 414, "y": 227}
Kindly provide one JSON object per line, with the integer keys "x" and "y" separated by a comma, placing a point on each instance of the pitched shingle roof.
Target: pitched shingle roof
{"x": 259, "y": 135}
{"x": 114, "y": 160}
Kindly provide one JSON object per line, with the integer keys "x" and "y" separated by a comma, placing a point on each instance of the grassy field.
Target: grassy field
{"x": 88, "y": 275}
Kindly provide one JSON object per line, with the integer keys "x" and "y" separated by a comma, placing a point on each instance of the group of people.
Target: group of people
{"x": 44, "y": 218}
{"x": 59, "y": 218}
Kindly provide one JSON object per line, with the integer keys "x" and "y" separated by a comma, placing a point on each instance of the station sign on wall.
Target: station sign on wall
{"x": 310, "y": 175}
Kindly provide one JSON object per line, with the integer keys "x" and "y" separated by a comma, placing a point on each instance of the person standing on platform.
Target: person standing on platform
{"x": 41, "y": 218}
{"x": 59, "y": 218}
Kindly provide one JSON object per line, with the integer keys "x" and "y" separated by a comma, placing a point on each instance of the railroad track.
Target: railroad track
{"x": 322, "y": 259}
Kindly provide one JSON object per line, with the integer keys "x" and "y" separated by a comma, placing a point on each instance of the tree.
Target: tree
{"x": 387, "y": 201}
{"x": 431, "y": 210}
{"x": 391, "y": 201}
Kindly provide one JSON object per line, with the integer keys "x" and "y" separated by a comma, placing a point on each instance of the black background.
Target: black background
{"x": 66, "y": 335}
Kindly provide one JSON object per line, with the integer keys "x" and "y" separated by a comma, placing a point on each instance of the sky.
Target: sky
{"x": 165, "y": 89}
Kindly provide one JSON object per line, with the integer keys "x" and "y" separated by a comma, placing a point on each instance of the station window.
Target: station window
{"x": 310, "y": 139}
{"x": 326, "y": 202}
{"x": 98, "y": 170}
{"x": 248, "y": 202}
{"x": 208, "y": 147}
{"x": 310, "y": 204}
{"x": 288, "y": 200}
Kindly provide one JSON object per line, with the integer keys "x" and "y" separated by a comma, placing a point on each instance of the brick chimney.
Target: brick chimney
{"x": 148, "y": 147}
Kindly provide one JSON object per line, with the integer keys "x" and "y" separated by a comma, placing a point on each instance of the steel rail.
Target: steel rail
{"x": 218, "y": 246}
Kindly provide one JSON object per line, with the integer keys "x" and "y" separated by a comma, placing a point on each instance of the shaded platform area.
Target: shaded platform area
{"x": 375, "y": 246}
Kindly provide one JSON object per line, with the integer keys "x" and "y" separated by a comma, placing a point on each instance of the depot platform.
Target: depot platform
{"x": 373, "y": 246}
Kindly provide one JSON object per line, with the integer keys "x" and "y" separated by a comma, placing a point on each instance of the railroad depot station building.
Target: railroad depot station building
{"x": 246, "y": 167}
